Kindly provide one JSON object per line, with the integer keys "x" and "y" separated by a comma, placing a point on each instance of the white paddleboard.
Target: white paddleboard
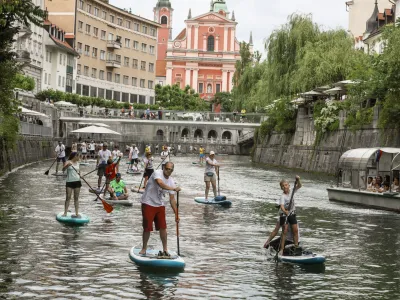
{"x": 310, "y": 259}
{"x": 211, "y": 201}
{"x": 151, "y": 259}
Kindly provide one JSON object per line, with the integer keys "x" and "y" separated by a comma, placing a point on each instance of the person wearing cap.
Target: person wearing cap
{"x": 153, "y": 207}
{"x": 165, "y": 158}
{"x": 60, "y": 154}
{"x": 133, "y": 156}
{"x": 117, "y": 188}
{"x": 148, "y": 171}
{"x": 210, "y": 175}
{"x": 102, "y": 158}
{"x": 201, "y": 154}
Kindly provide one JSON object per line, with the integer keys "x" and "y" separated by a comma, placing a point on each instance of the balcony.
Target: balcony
{"x": 112, "y": 63}
{"x": 25, "y": 31}
{"x": 23, "y": 56}
{"x": 114, "y": 44}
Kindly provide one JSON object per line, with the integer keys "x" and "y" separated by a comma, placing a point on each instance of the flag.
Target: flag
{"x": 378, "y": 155}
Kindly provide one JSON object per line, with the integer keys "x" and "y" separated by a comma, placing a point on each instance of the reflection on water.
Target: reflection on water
{"x": 222, "y": 247}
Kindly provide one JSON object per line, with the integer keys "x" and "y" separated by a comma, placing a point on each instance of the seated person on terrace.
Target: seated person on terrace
{"x": 395, "y": 185}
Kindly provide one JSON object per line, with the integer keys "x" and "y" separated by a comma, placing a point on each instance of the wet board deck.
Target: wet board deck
{"x": 135, "y": 190}
{"x": 70, "y": 220}
{"x": 151, "y": 259}
{"x": 309, "y": 259}
{"x": 211, "y": 201}
{"x": 83, "y": 163}
{"x": 134, "y": 172}
{"x": 118, "y": 202}
{"x": 59, "y": 174}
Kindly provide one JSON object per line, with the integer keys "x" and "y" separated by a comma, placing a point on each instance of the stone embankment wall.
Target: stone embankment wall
{"x": 281, "y": 149}
{"x": 27, "y": 150}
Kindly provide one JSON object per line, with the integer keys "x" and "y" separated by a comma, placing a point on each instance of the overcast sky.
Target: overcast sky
{"x": 259, "y": 16}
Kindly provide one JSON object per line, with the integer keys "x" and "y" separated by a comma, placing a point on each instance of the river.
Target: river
{"x": 222, "y": 247}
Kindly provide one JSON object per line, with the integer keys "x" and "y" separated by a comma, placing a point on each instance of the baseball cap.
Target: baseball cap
{"x": 212, "y": 153}
{"x": 118, "y": 175}
{"x": 105, "y": 145}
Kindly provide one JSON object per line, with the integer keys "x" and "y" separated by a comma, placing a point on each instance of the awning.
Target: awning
{"x": 357, "y": 159}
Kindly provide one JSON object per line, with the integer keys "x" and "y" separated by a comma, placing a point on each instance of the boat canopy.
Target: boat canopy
{"x": 358, "y": 159}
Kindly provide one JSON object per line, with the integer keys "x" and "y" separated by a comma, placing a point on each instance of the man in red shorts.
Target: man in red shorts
{"x": 153, "y": 208}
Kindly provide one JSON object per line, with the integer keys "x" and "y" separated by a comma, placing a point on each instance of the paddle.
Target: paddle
{"x": 47, "y": 172}
{"x": 219, "y": 192}
{"x": 162, "y": 161}
{"x": 107, "y": 207}
{"x": 142, "y": 177}
{"x": 89, "y": 173}
{"x": 286, "y": 219}
{"x": 177, "y": 223}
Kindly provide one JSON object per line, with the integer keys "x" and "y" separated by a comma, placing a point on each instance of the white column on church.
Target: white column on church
{"x": 216, "y": 44}
{"x": 224, "y": 80}
{"x": 187, "y": 77}
{"x": 225, "y": 39}
{"x": 169, "y": 76}
{"x": 195, "y": 78}
{"x": 196, "y": 37}
{"x": 189, "y": 39}
{"x": 232, "y": 39}
{"x": 204, "y": 43}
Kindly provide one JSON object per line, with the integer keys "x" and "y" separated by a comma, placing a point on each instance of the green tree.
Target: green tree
{"x": 225, "y": 100}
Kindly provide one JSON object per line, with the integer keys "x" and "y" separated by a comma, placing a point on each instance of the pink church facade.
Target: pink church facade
{"x": 204, "y": 53}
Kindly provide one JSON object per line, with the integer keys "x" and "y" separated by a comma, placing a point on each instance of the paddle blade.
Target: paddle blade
{"x": 107, "y": 207}
{"x": 47, "y": 172}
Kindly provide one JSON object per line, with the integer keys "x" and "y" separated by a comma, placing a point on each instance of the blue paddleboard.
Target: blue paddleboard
{"x": 151, "y": 259}
{"x": 70, "y": 220}
{"x": 211, "y": 201}
{"x": 309, "y": 259}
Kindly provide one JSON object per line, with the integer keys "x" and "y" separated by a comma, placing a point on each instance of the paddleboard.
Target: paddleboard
{"x": 70, "y": 220}
{"x": 96, "y": 191}
{"x": 308, "y": 259}
{"x": 118, "y": 202}
{"x": 151, "y": 259}
{"x": 211, "y": 201}
{"x": 59, "y": 174}
{"x": 135, "y": 190}
{"x": 83, "y": 163}
{"x": 134, "y": 172}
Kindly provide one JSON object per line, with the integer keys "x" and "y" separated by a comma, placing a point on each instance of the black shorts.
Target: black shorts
{"x": 148, "y": 173}
{"x": 134, "y": 161}
{"x": 91, "y": 151}
{"x": 101, "y": 171}
{"x": 291, "y": 219}
{"x": 74, "y": 184}
{"x": 61, "y": 159}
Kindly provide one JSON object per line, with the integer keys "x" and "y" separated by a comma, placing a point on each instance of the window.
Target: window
{"x": 119, "y": 39}
{"x": 150, "y": 84}
{"x": 64, "y": 59}
{"x": 164, "y": 20}
{"x": 45, "y": 78}
{"x": 136, "y": 26}
{"x": 95, "y": 31}
{"x": 143, "y": 65}
{"x": 101, "y": 93}
{"x": 102, "y": 54}
{"x": 142, "y": 99}
{"x": 144, "y": 47}
{"x": 144, "y": 29}
{"x": 151, "y": 49}
{"x": 80, "y": 4}
{"x": 101, "y": 75}
{"x": 87, "y": 50}
{"x": 109, "y": 77}
{"x": 78, "y": 70}
{"x": 50, "y": 54}
{"x": 217, "y": 87}
{"x": 104, "y": 15}
{"x": 79, "y": 89}
{"x": 79, "y": 48}
{"x": 94, "y": 73}
{"x": 142, "y": 83}
{"x": 210, "y": 43}
{"x": 93, "y": 91}
{"x": 126, "y": 61}
{"x": 126, "y": 79}
{"x": 128, "y": 24}
{"x": 85, "y": 90}
{"x": 49, "y": 81}
{"x": 118, "y": 58}
{"x": 201, "y": 87}
{"x": 151, "y": 67}
{"x": 117, "y": 96}
{"x": 80, "y": 25}
{"x": 209, "y": 88}
{"x": 87, "y": 28}
{"x": 136, "y": 45}
{"x": 134, "y": 63}
{"x": 47, "y": 55}
{"x": 152, "y": 31}
{"x": 110, "y": 36}
{"x": 89, "y": 8}
{"x": 96, "y": 12}
{"x": 103, "y": 35}
{"x": 61, "y": 58}
{"x": 112, "y": 19}
{"x": 127, "y": 43}
{"x": 117, "y": 78}
{"x": 119, "y": 21}
{"x": 109, "y": 94}
{"x": 94, "y": 52}
{"x": 63, "y": 82}
{"x": 125, "y": 97}
{"x": 134, "y": 98}
{"x": 134, "y": 81}
{"x": 86, "y": 71}
{"x": 59, "y": 80}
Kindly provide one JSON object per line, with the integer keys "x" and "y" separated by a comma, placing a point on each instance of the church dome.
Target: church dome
{"x": 218, "y": 5}
{"x": 372, "y": 22}
{"x": 163, "y": 3}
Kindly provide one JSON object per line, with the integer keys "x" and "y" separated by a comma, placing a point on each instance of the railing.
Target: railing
{"x": 114, "y": 44}
{"x": 23, "y": 55}
{"x": 34, "y": 129}
{"x": 245, "y": 137}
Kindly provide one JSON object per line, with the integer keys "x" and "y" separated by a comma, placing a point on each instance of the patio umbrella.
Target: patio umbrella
{"x": 64, "y": 104}
{"x": 333, "y": 91}
{"x": 94, "y": 124}
{"x": 29, "y": 112}
{"x": 95, "y": 129}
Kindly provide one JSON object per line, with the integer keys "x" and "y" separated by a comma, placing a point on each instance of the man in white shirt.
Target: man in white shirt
{"x": 92, "y": 148}
{"x": 153, "y": 208}
{"x": 133, "y": 156}
{"x": 102, "y": 159}
{"x": 165, "y": 158}
{"x": 60, "y": 154}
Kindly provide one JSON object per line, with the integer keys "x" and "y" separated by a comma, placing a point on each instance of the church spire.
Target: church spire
{"x": 189, "y": 14}
{"x": 251, "y": 38}
{"x": 372, "y": 23}
{"x": 163, "y": 3}
{"x": 233, "y": 16}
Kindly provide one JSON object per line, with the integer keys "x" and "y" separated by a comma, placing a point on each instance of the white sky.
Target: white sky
{"x": 259, "y": 16}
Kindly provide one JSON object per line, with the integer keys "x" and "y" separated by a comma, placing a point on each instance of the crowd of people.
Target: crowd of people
{"x": 378, "y": 185}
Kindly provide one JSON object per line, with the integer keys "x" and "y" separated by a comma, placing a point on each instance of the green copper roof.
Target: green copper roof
{"x": 163, "y": 3}
{"x": 218, "y": 5}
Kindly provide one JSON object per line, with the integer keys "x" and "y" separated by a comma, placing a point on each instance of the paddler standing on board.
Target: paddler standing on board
{"x": 101, "y": 163}
{"x": 60, "y": 152}
{"x": 210, "y": 175}
{"x": 153, "y": 208}
{"x": 201, "y": 154}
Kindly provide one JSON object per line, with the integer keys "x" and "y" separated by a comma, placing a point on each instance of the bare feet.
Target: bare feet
{"x": 142, "y": 252}
{"x": 64, "y": 215}
{"x": 280, "y": 253}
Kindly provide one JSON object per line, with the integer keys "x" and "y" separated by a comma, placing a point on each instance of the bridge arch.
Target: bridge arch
{"x": 185, "y": 133}
{"x": 198, "y": 134}
{"x": 160, "y": 135}
{"x": 212, "y": 134}
{"x": 227, "y": 135}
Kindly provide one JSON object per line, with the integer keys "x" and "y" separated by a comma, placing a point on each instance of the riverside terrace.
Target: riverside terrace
{"x": 222, "y": 135}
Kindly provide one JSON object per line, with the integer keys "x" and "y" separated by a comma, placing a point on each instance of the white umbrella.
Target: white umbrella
{"x": 29, "y": 112}
{"x": 335, "y": 90}
{"x": 64, "y": 103}
{"x": 95, "y": 129}
{"x": 312, "y": 93}
{"x": 94, "y": 124}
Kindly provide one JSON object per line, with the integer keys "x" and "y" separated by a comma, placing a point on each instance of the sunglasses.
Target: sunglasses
{"x": 169, "y": 169}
